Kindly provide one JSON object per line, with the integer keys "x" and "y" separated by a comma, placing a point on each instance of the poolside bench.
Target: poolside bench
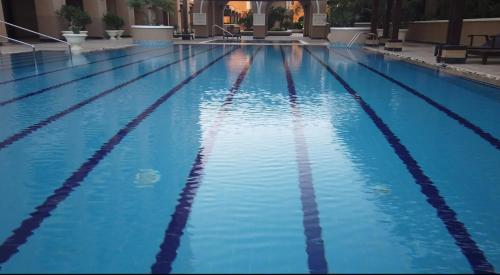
{"x": 490, "y": 48}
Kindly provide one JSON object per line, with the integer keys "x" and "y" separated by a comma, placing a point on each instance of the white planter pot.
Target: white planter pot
{"x": 120, "y": 33}
{"x": 112, "y": 34}
{"x": 75, "y": 40}
{"x": 66, "y": 32}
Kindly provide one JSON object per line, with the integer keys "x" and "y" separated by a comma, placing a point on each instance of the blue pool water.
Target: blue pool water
{"x": 245, "y": 159}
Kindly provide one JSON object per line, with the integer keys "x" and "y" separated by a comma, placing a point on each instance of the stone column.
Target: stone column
{"x": 374, "y": 22}
{"x": 48, "y": 21}
{"x": 431, "y": 8}
{"x": 259, "y": 19}
{"x": 3, "y": 31}
{"x": 457, "y": 9}
{"x": 453, "y": 52}
{"x": 394, "y": 44}
{"x": 127, "y": 13}
{"x": 96, "y": 9}
{"x": 387, "y": 18}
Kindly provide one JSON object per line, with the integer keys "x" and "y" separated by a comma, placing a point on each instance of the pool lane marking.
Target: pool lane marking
{"x": 7, "y": 61}
{"x": 461, "y": 120}
{"x": 29, "y": 62}
{"x": 76, "y": 66}
{"x": 62, "y": 84}
{"x": 21, "y": 234}
{"x": 448, "y": 216}
{"x": 171, "y": 241}
{"x": 66, "y": 59}
{"x": 34, "y": 127}
{"x": 315, "y": 247}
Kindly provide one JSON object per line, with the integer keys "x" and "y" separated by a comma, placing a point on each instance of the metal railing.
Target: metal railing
{"x": 223, "y": 30}
{"x": 356, "y": 36}
{"x": 26, "y": 44}
{"x": 40, "y": 34}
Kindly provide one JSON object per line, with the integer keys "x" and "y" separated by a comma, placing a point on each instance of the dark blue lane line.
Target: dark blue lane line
{"x": 37, "y": 126}
{"x": 27, "y": 63}
{"x": 172, "y": 239}
{"x": 448, "y": 216}
{"x": 315, "y": 247}
{"x": 59, "y": 85}
{"x": 29, "y": 58}
{"x": 21, "y": 234}
{"x": 461, "y": 120}
{"x": 76, "y": 66}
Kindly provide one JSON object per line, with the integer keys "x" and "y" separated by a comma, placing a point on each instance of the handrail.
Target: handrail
{"x": 224, "y": 30}
{"x": 354, "y": 39}
{"x": 44, "y": 35}
{"x": 26, "y": 44}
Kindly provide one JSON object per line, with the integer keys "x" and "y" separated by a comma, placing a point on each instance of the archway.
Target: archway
{"x": 207, "y": 13}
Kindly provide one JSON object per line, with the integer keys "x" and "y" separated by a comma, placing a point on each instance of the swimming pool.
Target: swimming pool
{"x": 246, "y": 159}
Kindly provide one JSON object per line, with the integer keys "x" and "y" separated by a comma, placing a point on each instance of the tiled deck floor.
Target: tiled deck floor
{"x": 424, "y": 53}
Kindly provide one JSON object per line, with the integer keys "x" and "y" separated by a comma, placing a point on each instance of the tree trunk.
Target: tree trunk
{"x": 387, "y": 19}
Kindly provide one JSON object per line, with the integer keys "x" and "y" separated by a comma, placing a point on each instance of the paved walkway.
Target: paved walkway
{"x": 423, "y": 54}
{"x": 88, "y": 46}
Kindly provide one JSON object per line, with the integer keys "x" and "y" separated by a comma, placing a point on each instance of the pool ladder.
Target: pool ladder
{"x": 32, "y": 45}
{"x": 355, "y": 37}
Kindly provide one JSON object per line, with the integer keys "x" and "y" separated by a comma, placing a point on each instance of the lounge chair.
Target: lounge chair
{"x": 491, "y": 47}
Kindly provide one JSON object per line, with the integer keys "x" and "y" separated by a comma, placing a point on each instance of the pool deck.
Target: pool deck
{"x": 88, "y": 46}
{"x": 423, "y": 54}
{"x": 272, "y": 40}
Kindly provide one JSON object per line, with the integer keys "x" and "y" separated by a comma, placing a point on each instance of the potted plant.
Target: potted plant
{"x": 67, "y": 12}
{"x": 153, "y": 30}
{"x": 77, "y": 19}
{"x": 113, "y": 23}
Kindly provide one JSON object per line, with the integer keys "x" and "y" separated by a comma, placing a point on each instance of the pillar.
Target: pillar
{"x": 374, "y": 22}
{"x": 3, "y": 30}
{"x": 96, "y": 9}
{"x": 396, "y": 19}
{"x": 127, "y": 13}
{"x": 48, "y": 21}
{"x": 394, "y": 44}
{"x": 457, "y": 8}
{"x": 431, "y": 8}
{"x": 387, "y": 18}
{"x": 259, "y": 19}
{"x": 453, "y": 52}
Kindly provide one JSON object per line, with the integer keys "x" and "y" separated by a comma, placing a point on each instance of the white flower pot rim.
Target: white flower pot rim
{"x": 75, "y": 34}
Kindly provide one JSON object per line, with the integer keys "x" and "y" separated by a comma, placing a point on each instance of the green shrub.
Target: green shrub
{"x": 113, "y": 21}
{"x": 75, "y": 16}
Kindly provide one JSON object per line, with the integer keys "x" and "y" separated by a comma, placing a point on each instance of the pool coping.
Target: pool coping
{"x": 451, "y": 69}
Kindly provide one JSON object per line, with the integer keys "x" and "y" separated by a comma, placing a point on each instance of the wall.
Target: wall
{"x": 436, "y": 31}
